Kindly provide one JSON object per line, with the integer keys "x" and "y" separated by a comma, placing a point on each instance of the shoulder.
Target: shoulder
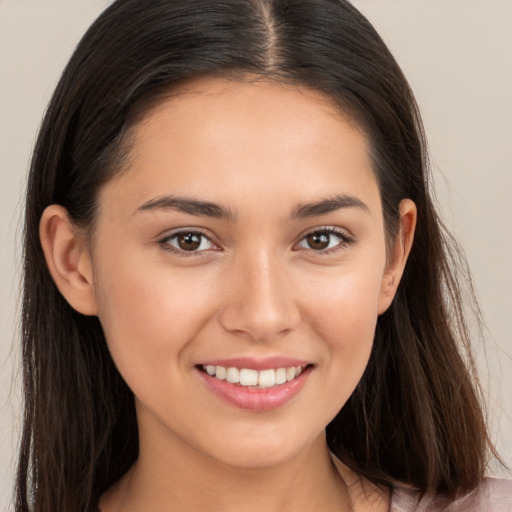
{"x": 492, "y": 495}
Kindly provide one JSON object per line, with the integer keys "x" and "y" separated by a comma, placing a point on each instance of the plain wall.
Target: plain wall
{"x": 457, "y": 55}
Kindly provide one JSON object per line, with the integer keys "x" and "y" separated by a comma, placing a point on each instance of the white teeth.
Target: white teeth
{"x": 280, "y": 375}
{"x": 248, "y": 377}
{"x": 267, "y": 378}
{"x": 233, "y": 375}
{"x": 253, "y": 378}
{"x": 220, "y": 372}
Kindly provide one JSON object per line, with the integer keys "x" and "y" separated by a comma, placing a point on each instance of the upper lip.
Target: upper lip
{"x": 252, "y": 363}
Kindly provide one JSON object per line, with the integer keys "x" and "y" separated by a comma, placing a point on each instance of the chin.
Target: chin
{"x": 259, "y": 451}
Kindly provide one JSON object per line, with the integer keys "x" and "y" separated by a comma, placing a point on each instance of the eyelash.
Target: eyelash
{"x": 165, "y": 242}
{"x": 344, "y": 241}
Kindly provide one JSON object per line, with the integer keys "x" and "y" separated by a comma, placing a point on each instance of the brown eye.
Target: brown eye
{"x": 318, "y": 241}
{"x": 189, "y": 241}
{"x": 325, "y": 240}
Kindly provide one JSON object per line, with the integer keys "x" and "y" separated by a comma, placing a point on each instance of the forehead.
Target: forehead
{"x": 231, "y": 142}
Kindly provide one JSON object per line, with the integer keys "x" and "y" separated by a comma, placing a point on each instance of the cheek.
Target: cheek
{"x": 149, "y": 317}
{"x": 345, "y": 307}
{"x": 345, "y": 316}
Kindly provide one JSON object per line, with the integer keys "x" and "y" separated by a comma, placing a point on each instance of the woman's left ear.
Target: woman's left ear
{"x": 400, "y": 252}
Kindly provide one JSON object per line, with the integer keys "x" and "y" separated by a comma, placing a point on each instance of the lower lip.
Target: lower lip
{"x": 256, "y": 399}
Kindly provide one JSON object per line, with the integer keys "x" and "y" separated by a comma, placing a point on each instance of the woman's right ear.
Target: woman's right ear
{"x": 68, "y": 258}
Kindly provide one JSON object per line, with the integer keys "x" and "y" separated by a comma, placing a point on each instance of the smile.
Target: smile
{"x": 249, "y": 377}
{"x": 267, "y": 385}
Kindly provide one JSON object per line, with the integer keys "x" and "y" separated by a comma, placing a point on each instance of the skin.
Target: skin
{"x": 255, "y": 288}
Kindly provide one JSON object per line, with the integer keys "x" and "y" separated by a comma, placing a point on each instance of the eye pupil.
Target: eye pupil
{"x": 189, "y": 241}
{"x": 318, "y": 241}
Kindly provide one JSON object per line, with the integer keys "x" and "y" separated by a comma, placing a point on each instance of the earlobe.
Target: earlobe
{"x": 68, "y": 259}
{"x": 401, "y": 250}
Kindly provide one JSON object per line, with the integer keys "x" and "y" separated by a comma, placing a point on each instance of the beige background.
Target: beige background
{"x": 457, "y": 55}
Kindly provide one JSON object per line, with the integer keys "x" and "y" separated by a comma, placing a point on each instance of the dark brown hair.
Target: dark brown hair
{"x": 415, "y": 416}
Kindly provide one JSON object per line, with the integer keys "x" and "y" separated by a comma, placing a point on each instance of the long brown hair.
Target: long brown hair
{"x": 415, "y": 416}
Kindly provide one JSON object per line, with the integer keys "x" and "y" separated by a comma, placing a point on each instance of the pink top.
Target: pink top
{"x": 493, "y": 495}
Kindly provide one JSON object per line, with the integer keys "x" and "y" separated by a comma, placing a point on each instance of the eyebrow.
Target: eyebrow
{"x": 186, "y": 205}
{"x": 328, "y": 205}
{"x": 209, "y": 209}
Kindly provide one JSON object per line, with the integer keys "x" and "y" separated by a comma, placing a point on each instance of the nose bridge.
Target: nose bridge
{"x": 261, "y": 302}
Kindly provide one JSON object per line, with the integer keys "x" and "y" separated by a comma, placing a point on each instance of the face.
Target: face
{"x": 244, "y": 241}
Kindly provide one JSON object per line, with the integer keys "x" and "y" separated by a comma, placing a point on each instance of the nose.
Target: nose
{"x": 260, "y": 302}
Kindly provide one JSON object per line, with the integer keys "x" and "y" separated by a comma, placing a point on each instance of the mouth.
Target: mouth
{"x": 255, "y": 389}
{"x": 251, "y": 378}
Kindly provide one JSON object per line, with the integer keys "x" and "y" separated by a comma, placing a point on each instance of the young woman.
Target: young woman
{"x": 238, "y": 295}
